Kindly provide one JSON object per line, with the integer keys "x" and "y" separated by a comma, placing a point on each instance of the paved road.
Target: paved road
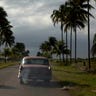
{"x": 9, "y": 86}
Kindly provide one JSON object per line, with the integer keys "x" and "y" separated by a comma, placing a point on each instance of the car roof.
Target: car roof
{"x": 38, "y": 57}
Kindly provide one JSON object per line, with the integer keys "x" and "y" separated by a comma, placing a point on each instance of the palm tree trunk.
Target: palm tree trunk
{"x": 5, "y": 53}
{"x": 75, "y": 46}
{"x": 71, "y": 46}
{"x": 89, "y": 38}
{"x": 66, "y": 48}
{"x": 62, "y": 41}
{"x": 60, "y": 57}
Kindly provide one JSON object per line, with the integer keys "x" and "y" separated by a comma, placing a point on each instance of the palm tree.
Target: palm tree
{"x": 77, "y": 17}
{"x": 6, "y": 35}
{"x": 52, "y": 41}
{"x": 19, "y": 49}
{"x": 58, "y": 16}
{"x": 8, "y": 41}
{"x": 64, "y": 9}
{"x": 93, "y": 49}
{"x": 3, "y": 21}
{"x": 39, "y": 53}
{"x": 45, "y": 46}
{"x": 88, "y": 6}
{"x": 60, "y": 46}
{"x": 89, "y": 37}
{"x": 7, "y": 51}
{"x": 94, "y": 39}
{"x": 46, "y": 49}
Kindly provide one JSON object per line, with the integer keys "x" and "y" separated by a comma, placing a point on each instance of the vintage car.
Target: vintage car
{"x": 34, "y": 68}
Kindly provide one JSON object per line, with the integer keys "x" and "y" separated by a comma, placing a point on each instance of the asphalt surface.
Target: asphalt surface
{"x": 10, "y": 86}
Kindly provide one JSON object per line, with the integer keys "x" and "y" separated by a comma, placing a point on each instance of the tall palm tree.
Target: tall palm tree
{"x": 94, "y": 39}
{"x": 89, "y": 38}
{"x": 89, "y": 35}
{"x": 8, "y": 41}
{"x": 77, "y": 18}
{"x": 71, "y": 46}
{"x": 88, "y": 7}
{"x": 64, "y": 9}
{"x": 93, "y": 49}
{"x": 6, "y": 34}
{"x": 58, "y": 16}
{"x": 3, "y": 21}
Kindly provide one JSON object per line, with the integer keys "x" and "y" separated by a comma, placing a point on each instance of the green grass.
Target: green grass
{"x": 8, "y": 63}
{"x": 81, "y": 83}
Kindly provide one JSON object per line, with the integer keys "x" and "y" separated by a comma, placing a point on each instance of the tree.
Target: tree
{"x": 88, "y": 7}
{"x": 88, "y": 36}
{"x": 77, "y": 17}
{"x": 93, "y": 49}
{"x": 52, "y": 41}
{"x": 26, "y": 53}
{"x": 7, "y": 53}
{"x": 39, "y": 54}
{"x": 60, "y": 46}
{"x": 46, "y": 49}
{"x": 59, "y": 17}
{"x": 6, "y": 34}
{"x": 45, "y": 46}
{"x": 19, "y": 49}
{"x": 7, "y": 38}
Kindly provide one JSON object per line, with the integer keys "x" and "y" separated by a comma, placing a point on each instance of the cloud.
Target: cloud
{"x": 32, "y": 23}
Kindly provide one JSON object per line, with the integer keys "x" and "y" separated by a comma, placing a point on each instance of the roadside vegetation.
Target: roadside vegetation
{"x": 9, "y": 49}
{"x": 75, "y": 78}
{"x": 9, "y": 63}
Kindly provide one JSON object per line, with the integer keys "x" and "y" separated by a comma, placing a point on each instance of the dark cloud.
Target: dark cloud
{"x": 32, "y": 24}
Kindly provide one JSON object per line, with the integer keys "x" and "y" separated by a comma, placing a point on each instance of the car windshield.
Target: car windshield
{"x": 36, "y": 61}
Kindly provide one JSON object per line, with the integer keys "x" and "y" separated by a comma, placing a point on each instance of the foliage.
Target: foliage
{"x": 19, "y": 49}
{"x": 7, "y": 64}
{"x": 53, "y": 46}
{"x": 39, "y": 54}
{"x": 6, "y": 34}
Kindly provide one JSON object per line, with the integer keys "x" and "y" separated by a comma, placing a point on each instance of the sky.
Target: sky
{"x": 32, "y": 24}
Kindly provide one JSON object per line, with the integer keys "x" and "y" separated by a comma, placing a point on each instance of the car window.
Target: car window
{"x": 36, "y": 61}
